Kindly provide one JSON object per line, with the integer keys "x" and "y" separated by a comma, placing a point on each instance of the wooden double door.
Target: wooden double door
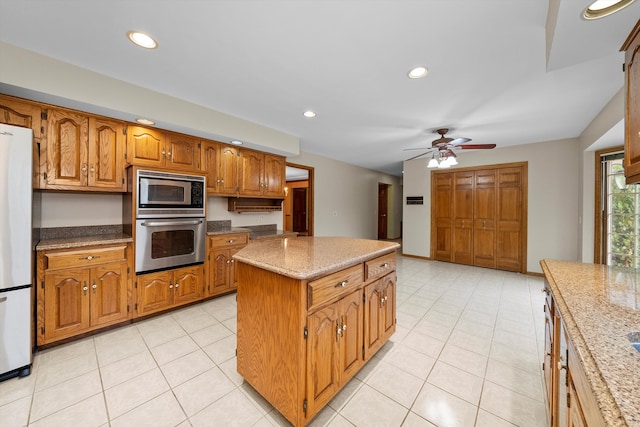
{"x": 479, "y": 216}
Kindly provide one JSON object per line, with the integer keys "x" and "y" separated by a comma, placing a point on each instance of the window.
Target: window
{"x": 620, "y": 215}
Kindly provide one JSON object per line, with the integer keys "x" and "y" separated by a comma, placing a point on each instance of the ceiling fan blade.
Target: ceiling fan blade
{"x": 421, "y": 148}
{"x": 477, "y": 146}
{"x": 419, "y": 155}
{"x": 460, "y": 140}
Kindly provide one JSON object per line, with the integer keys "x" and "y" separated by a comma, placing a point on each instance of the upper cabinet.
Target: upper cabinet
{"x": 221, "y": 163}
{"x": 631, "y": 48}
{"x": 261, "y": 175}
{"x": 22, "y": 113}
{"x": 151, "y": 147}
{"x": 83, "y": 152}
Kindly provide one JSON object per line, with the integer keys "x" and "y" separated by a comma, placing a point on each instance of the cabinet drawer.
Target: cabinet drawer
{"x": 380, "y": 266}
{"x": 223, "y": 240}
{"x": 83, "y": 257}
{"x": 332, "y": 286}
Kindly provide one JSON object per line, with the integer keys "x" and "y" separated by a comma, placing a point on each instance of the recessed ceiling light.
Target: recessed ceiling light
{"x": 236, "y": 142}
{"x": 309, "y": 114}
{"x": 417, "y": 72}
{"x": 142, "y": 39}
{"x": 602, "y": 8}
{"x": 146, "y": 122}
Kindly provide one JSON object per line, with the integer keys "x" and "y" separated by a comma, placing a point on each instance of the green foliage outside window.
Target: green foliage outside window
{"x": 623, "y": 225}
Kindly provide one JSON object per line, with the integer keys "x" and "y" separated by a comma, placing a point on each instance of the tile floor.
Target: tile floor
{"x": 466, "y": 353}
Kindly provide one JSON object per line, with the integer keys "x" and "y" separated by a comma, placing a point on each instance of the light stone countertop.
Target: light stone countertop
{"x": 82, "y": 241}
{"x": 305, "y": 258}
{"x": 600, "y": 306}
{"x": 230, "y": 230}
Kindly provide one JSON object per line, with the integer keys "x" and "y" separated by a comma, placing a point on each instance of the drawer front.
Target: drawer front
{"x": 84, "y": 257}
{"x": 334, "y": 285}
{"x": 380, "y": 266}
{"x": 223, "y": 240}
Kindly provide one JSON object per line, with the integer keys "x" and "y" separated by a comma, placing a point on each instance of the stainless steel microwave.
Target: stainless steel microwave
{"x": 170, "y": 195}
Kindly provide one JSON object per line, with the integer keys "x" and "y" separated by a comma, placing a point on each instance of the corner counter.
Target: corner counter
{"x": 599, "y": 306}
{"x": 311, "y": 312}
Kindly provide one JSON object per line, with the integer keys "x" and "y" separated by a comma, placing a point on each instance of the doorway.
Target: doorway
{"x": 383, "y": 211}
{"x": 298, "y": 203}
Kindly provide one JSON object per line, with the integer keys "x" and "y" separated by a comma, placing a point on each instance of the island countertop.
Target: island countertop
{"x": 308, "y": 257}
{"x": 600, "y": 306}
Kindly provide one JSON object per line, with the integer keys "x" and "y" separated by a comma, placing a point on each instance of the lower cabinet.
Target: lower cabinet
{"x": 166, "y": 289}
{"x": 221, "y": 266}
{"x": 570, "y": 401}
{"x": 329, "y": 328}
{"x": 81, "y": 290}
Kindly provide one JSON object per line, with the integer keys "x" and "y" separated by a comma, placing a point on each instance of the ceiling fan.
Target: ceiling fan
{"x": 444, "y": 147}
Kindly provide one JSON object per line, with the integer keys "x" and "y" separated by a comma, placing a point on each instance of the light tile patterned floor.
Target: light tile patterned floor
{"x": 466, "y": 353}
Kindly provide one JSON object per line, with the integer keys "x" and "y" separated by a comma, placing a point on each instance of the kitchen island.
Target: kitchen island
{"x": 311, "y": 312}
{"x": 591, "y": 312}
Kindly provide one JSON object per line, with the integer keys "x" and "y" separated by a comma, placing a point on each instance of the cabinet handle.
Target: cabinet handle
{"x": 170, "y": 285}
{"x": 169, "y": 153}
{"x": 222, "y": 181}
{"x": 463, "y": 223}
{"x": 232, "y": 261}
{"x": 344, "y": 325}
{"x": 91, "y": 170}
{"x": 484, "y": 223}
{"x": 163, "y": 153}
{"x": 85, "y": 288}
{"x": 228, "y": 261}
{"x": 94, "y": 286}
{"x": 338, "y": 330}
{"x": 177, "y": 285}
{"x": 84, "y": 168}
{"x": 230, "y": 241}
{"x": 89, "y": 257}
{"x": 385, "y": 265}
{"x": 342, "y": 284}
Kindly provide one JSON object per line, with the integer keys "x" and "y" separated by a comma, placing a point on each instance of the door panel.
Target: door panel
{"x": 351, "y": 317}
{"x": 66, "y": 302}
{"x": 109, "y": 293}
{"x": 463, "y": 192}
{"x": 442, "y": 212}
{"x": 484, "y": 214}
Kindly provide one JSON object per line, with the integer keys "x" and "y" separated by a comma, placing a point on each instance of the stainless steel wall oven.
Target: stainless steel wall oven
{"x": 170, "y": 220}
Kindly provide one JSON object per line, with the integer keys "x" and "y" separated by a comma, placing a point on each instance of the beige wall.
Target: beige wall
{"x": 553, "y": 215}
{"x": 346, "y": 198}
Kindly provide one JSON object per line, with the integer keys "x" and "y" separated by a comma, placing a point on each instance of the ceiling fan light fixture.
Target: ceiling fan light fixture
{"x": 433, "y": 163}
{"x": 452, "y": 161}
{"x": 601, "y": 8}
{"x": 141, "y": 39}
{"x": 418, "y": 72}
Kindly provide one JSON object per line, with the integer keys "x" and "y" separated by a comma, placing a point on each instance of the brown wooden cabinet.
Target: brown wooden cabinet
{"x": 83, "y": 152}
{"x": 570, "y": 401}
{"x": 166, "y": 289}
{"x": 478, "y": 216}
{"x": 221, "y": 266}
{"x": 261, "y": 174}
{"x": 160, "y": 149}
{"x": 81, "y": 290}
{"x": 221, "y": 163}
{"x": 330, "y": 326}
{"x": 17, "y": 112}
{"x": 631, "y": 47}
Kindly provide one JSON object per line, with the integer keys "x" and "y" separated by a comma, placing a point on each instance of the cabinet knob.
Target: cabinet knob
{"x": 85, "y": 288}
{"x": 94, "y": 286}
{"x": 385, "y": 265}
{"x": 91, "y": 170}
{"x": 170, "y": 285}
{"x": 230, "y": 241}
{"x": 342, "y": 284}
{"x": 177, "y": 285}
{"x": 163, "y": 153}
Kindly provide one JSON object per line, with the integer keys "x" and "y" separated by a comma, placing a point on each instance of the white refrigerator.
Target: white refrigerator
{"x": 16, "y": 251}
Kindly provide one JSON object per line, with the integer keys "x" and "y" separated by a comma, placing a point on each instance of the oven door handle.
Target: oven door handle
{"x": 163, "y": 223}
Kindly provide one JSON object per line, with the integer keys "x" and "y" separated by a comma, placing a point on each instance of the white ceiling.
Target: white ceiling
{"x": 267, "y": 61}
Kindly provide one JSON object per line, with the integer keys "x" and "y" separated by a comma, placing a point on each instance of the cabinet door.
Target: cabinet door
{"x": 632, "y": 109}
{"x": 442, "y": 215}
{"x": 219, "y": 271}
{"x": 183, "y": 152}
{"x": 575, "y": 416}
{"x": 66, "y": 303}
{"x": 379, "y": 313}
{"x": 351, "y": 311}
{"x": 145, "y": 147}
{"x": 463, "y": 217}
{"x": 109, "y": 294}
{"x": 187, "y": 284}
{"x": 67, "y": 148}
{"x": 23, "y": 114}
{"x": 233, "y": 279}
{"x": 251, "y": 173}
{"x": 274, "y": 176}
{"x": 484, "y": 219}
{"x": 323, "y": 378}
{"x": 509, "y": 221}
{"x": 228, "y": 173}
{"x": 106, "y": 154}
{"x": 211, "y": 165}
{"x": 155, "y": 292}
